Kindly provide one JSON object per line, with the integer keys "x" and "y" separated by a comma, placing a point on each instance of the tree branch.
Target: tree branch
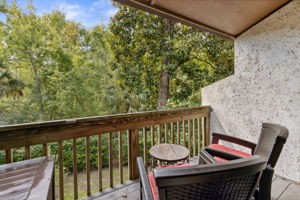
{"x": 207, "y": 62}
{"x": 200, "y": 59}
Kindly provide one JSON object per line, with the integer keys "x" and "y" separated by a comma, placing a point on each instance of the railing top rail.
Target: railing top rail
{"x": 13, "y": 136}
{"x": 92, "y": 119}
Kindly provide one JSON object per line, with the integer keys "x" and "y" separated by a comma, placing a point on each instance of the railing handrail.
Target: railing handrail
{"x": 13, "y": 136}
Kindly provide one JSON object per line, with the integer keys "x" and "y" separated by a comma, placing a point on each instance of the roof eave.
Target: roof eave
{"x": 174, "y": 16}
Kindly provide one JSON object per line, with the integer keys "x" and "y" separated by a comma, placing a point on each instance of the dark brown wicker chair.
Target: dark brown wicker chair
{"x": 269, "y": 147}
{"x": 234, "y": 180}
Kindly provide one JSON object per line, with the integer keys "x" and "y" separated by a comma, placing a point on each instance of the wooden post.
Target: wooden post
{"x": 45, "y": 149}
{"x": 206, "y": 128}
{"x": 9, "y": 156}
{"x": 27, "y": 153}
{"x": 134, "y": 152}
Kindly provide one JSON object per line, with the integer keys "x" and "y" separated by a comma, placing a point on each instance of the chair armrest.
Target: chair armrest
{"x": 220, "y": 153}
{"x": 205, "y": 157}
{"x": 146, "y": 191}
{"x": 232, "y": 139}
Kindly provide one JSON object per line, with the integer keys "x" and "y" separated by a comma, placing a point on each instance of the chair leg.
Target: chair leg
{"x": 265, "y": 184}
{"x": 141, "y": 190}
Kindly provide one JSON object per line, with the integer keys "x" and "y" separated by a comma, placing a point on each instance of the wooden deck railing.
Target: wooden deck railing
{"x": 188, "y": 127}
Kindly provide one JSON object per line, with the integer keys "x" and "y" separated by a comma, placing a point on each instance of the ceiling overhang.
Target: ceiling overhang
{"x": 227, "y": 18}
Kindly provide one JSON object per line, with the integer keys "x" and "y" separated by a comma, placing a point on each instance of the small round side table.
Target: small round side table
{"x": 169, "y": 152}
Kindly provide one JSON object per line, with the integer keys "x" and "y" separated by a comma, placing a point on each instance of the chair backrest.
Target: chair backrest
{"x": 271, "y": 141}
{"x": 234, "y": 180}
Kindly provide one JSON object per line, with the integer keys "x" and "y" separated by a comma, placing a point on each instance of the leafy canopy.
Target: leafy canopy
{"x": 145, "y": 45}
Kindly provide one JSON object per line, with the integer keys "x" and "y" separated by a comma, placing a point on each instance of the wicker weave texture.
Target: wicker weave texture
{"x": 233, "y": 189}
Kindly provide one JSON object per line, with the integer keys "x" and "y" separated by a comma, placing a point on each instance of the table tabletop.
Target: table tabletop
{"x": 29, "y": 179}
{"x": 169, "y": 152}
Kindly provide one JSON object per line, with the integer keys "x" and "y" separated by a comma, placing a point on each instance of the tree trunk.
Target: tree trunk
{"x": 163, "y": 87}
{"x": 163, "y": 90}
{"x": 38, "y": 83}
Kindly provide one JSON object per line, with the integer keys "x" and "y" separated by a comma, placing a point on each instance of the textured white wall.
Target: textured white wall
{"x": 265, "y": 86}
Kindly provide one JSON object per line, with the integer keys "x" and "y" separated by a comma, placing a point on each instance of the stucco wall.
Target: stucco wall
{"x": 265, "y": 86}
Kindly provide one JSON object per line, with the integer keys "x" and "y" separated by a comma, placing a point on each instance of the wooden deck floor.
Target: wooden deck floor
{"x": 281, "y": 190}
{"x": 285, "y": 190}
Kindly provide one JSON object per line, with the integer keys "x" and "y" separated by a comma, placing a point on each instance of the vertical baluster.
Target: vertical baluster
{"x": 166, "y": 133}
{"x": 145, "y": 145}
{"x": 152, "y": 136}
{"x": 99, "y": 163}
{"x": 9, "y": 156}
{"x": 27, "y": 152}
{"x": 172, "y": 133}
{"x": 111, "y": 178}
{"x": 120, "y": 157}
{"x": 203, "y": 132}
{"x": 88, "y": 166}
{"x": 75, "y": 180}
{"x": 184, "y": 136}
{"x": 159, "y": 134}
{"x": 194, "y": 138}
{"x": 129, "y": 153}
{"x": 199, "y": 134}
{"x": 178, "y": 133}
{"x": 61, "y": 170}
{"x": 189, "y": 137}
{"x": 45, "y": 149}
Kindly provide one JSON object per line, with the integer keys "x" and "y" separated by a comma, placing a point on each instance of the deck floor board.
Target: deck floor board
{"x": 129, "y": 190}
{"x": 291, "y": 193}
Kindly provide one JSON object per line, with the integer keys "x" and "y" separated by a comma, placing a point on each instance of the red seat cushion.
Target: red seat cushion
{"x": 218, "y": 159}
{"x": 152, "y": 179}
{"x": 229, "y": 150}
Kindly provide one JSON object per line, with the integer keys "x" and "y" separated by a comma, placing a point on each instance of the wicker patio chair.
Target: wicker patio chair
{"x": 234, "y": 180}
{"x": 269, "y": 147}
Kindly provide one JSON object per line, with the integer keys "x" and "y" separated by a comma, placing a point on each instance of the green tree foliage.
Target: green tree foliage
{"x": 158, "y": 60}
{"x": 9, "y": 85}
{"x": 63, "y": 65}
{"x": 53, "y": 68}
